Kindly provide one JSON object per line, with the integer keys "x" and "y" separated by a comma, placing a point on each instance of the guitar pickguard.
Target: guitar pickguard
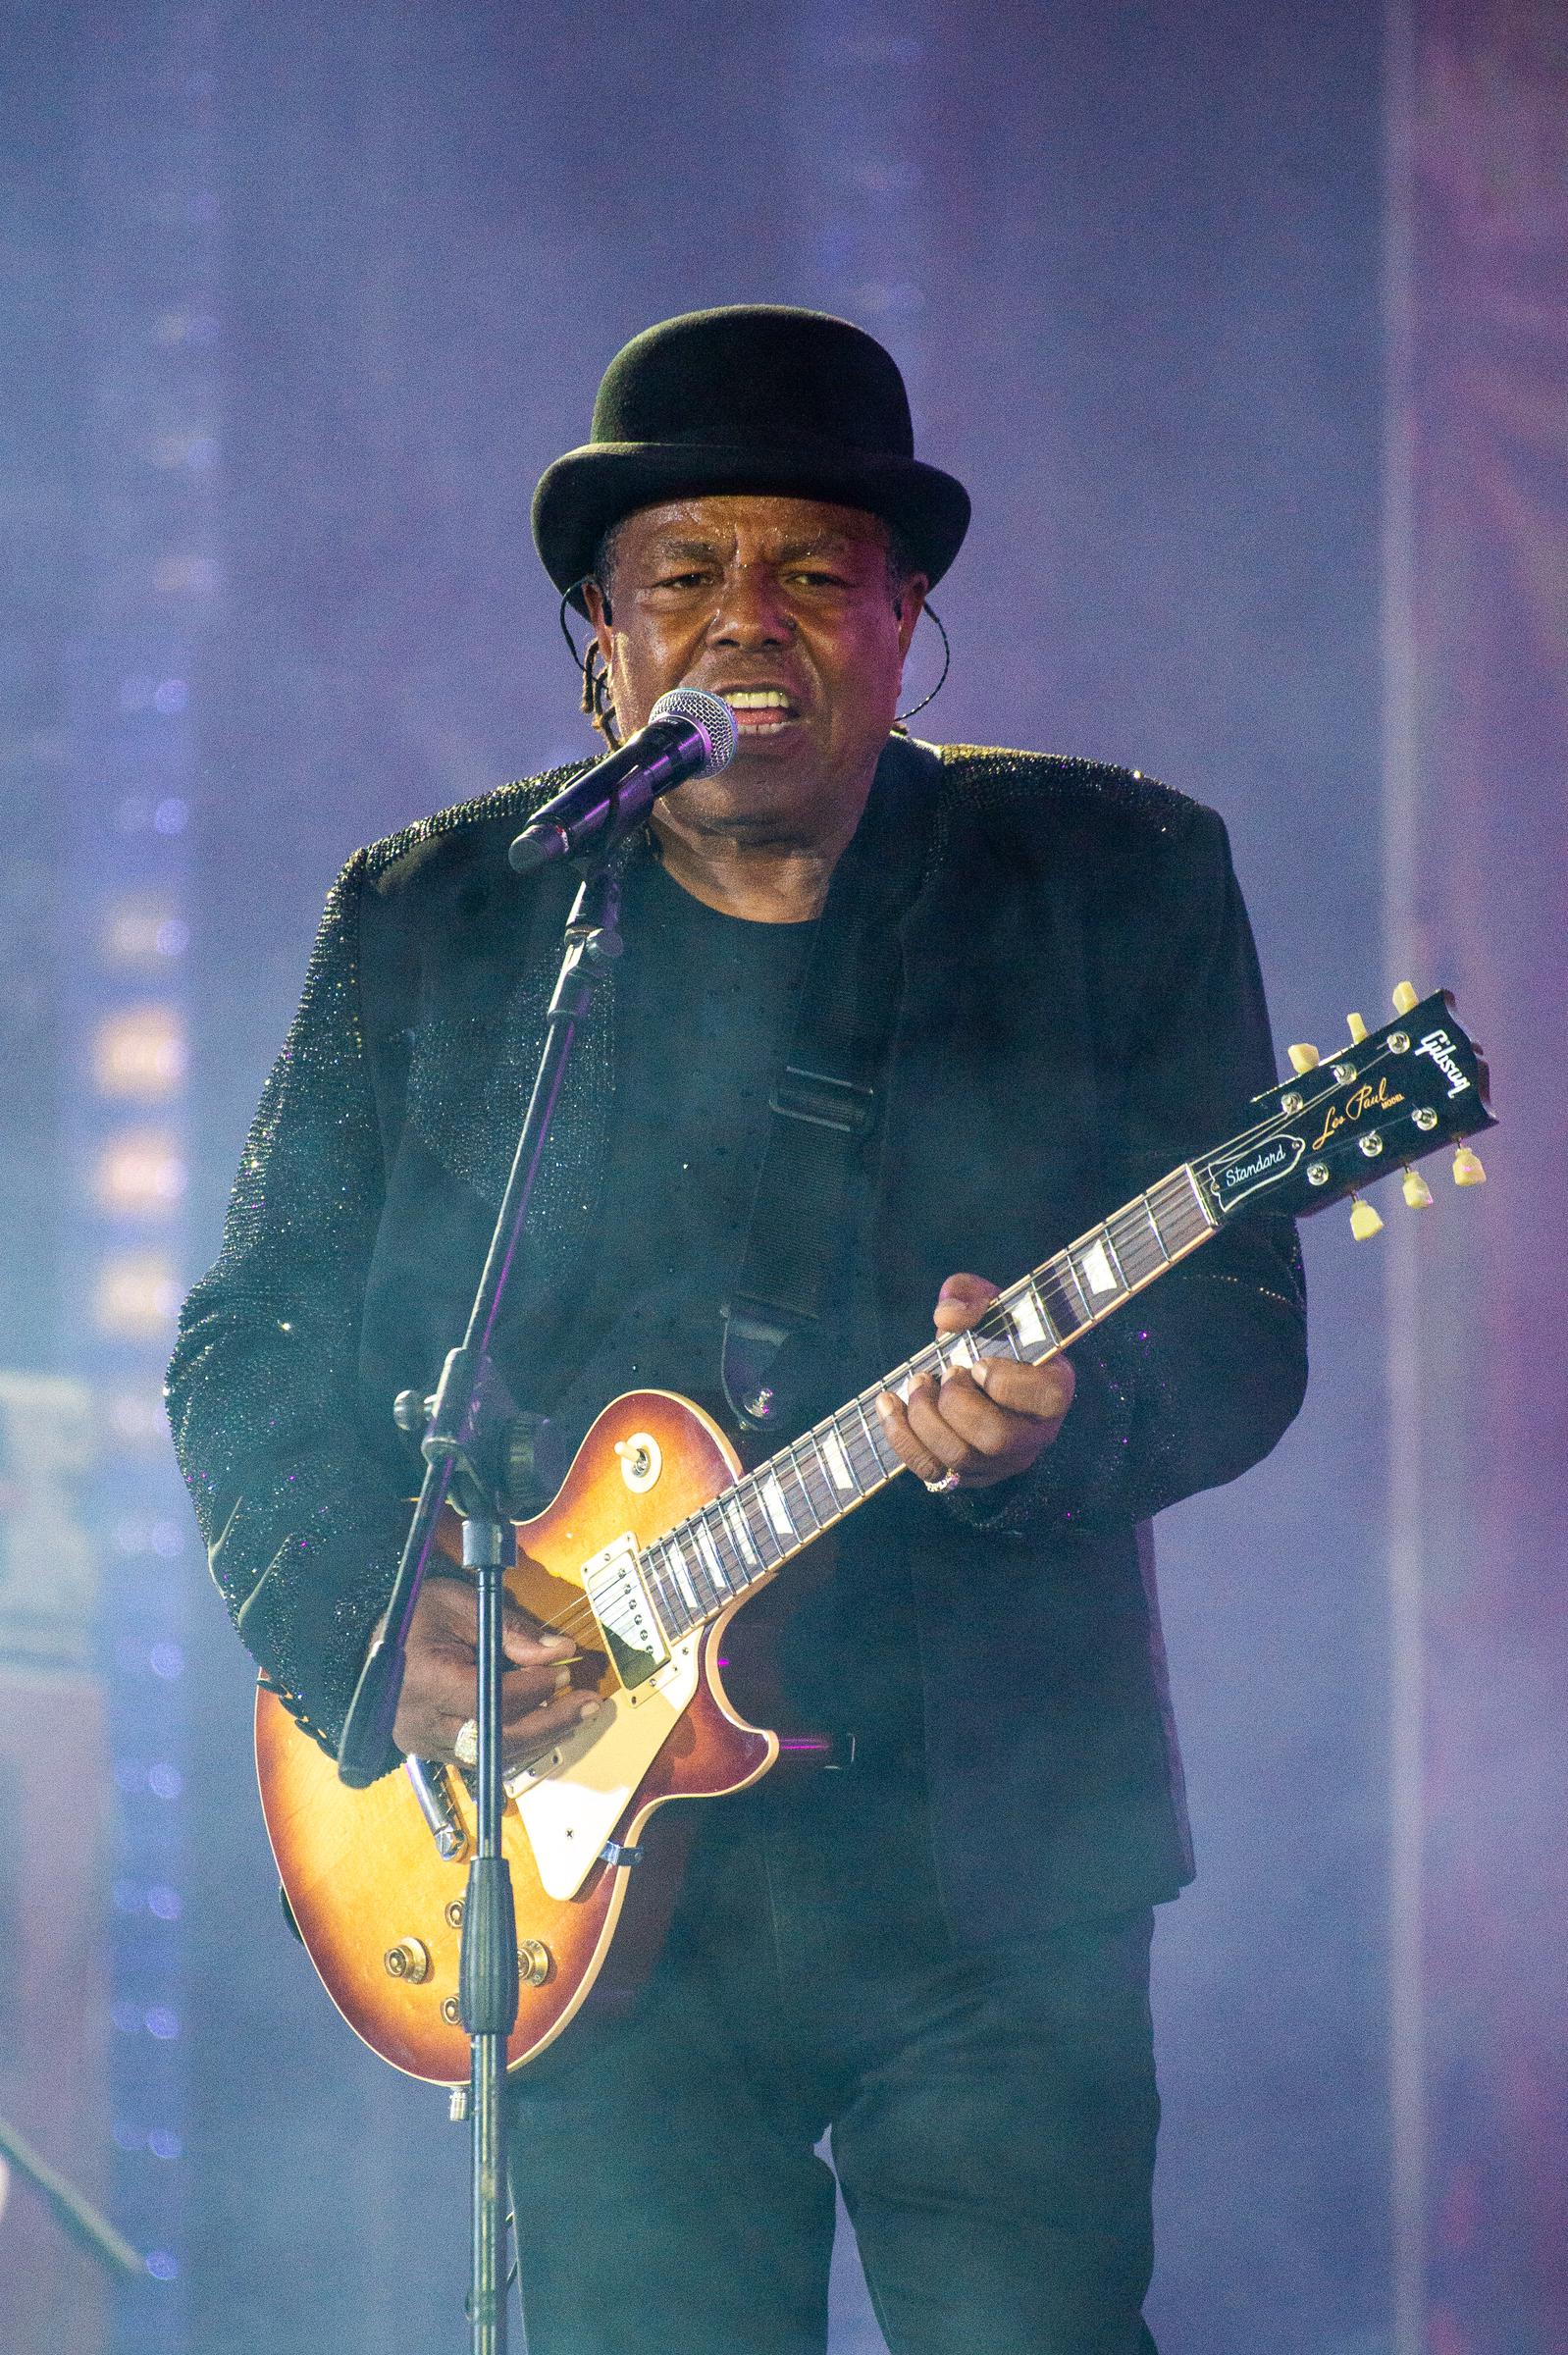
{"x": 571, "y": 1802}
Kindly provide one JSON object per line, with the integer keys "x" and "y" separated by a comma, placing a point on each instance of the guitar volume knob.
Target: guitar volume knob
{"x": 408, "y": 1960}
{"x": 533, "y": 1962}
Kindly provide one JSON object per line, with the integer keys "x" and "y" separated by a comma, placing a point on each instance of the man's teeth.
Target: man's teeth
{"x": 761, "y": 710}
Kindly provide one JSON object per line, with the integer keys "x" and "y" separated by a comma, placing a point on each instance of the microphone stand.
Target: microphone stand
{"x": 463, "y": 1447}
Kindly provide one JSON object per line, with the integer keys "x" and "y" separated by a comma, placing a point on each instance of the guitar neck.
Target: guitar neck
{"x": 771, "y": 1514}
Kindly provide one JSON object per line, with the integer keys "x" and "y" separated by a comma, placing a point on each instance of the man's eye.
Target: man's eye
{"x": 823, "y": 580}
{"x": 680, "y": 580}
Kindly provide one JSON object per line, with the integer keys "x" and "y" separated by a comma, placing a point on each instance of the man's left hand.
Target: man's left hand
{"x": 984, "y": 1425}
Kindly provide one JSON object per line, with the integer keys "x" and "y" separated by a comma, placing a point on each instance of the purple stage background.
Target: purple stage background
{"x": 1477, "y": 841}
{"x": 1246, "y": 327}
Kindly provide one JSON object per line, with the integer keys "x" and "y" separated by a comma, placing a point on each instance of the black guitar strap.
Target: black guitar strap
{"x": 826, "y": 1102}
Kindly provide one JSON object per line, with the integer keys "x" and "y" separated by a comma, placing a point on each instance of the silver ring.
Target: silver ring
{"x": 943, "y": 1486}
{"x": 465, "y": 1744}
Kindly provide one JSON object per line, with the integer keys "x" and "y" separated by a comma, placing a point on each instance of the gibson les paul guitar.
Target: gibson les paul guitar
{"x": 656, "y": 1538}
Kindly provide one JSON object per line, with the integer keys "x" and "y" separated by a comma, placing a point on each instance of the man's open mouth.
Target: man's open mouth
{"x": 761, "y": 710}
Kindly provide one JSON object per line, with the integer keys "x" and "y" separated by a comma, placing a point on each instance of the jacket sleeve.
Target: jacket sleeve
{"x": 303, "y": 1518}
{"x": 1193, "y": 1381}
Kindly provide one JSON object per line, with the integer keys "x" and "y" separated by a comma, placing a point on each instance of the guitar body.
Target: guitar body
{"x": 376, "y": 1905}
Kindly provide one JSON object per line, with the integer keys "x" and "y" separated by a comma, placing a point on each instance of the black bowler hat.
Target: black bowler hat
{"x": 753, "y": 398}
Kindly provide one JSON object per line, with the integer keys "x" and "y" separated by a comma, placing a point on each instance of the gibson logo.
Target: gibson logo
{"x": 1440, "y": 1047}
{"x": 1356, "y": 1107}
{"x": 1233, "y": 1179}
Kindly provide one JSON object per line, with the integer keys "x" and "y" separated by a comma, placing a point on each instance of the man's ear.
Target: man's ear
{"x": 909, "y": 606}
{"x": 599, "y": 614}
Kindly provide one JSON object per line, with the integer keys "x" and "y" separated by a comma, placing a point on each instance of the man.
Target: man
{"x": 936, "y": 1946}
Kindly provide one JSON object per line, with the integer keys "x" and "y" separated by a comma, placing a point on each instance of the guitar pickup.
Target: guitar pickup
{"x": 613, "y": 1583}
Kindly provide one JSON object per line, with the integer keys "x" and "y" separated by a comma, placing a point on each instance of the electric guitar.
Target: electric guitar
{"x": 657, "y": 1536}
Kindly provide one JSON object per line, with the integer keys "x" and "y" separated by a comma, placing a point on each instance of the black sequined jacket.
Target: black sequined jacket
{"x": 1080, "y": 1009}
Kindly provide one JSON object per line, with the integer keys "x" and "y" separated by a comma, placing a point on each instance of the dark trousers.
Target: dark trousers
{"x": 993, "y": 2115}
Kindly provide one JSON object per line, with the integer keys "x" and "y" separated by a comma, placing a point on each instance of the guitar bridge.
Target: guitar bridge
{"x": 613, "y": 1583}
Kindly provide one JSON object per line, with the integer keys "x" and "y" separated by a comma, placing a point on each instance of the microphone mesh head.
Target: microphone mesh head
{"x": 710, "y": 715}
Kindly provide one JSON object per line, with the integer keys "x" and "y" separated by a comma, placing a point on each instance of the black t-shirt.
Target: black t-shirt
{"x": 706, "y": 1006}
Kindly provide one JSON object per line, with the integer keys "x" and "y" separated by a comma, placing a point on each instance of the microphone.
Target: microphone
{"x": 689, "y": 734}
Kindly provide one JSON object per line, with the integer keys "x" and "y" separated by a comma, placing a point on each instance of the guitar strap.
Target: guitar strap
{"x": 826, "y": 1102}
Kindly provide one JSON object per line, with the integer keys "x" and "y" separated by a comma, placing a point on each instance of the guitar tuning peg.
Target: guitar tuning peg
{"x": 1302, "y": 1058}
{"x": 1418, "y": 1193}
{"x": 1363, "y": 1222}
{"x": 1404, "y": 998}
{"x": 1357, "y": 1028}
{"x": 1467, "y": 1169}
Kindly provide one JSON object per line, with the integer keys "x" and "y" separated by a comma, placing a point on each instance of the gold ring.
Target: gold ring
{"x": 465, "y": 1744}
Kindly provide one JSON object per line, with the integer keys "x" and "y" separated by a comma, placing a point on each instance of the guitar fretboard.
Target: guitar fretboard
{"x": 773, "y": 1513}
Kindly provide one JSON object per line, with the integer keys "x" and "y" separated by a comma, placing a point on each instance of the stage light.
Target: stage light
{"x": 131, "y": 929}
{"x": 136, "y": 1296}
{"x": 140, "y": 1051}
{"x": 142, "y": 1176}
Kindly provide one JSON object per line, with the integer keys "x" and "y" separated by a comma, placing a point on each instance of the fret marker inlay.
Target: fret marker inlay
{"x": 1097, "y": 1268}
{"x": 778, "y": 1512}
{"x": 710, "y": 1553}
{"x": 837, "y": 1462}
{"x": 735, "y": 1523}
{"x": 672, "y": 1549}
{"x": 1026, "y": 1322}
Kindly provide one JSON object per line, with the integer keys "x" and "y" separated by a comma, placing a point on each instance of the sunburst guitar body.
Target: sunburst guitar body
{"x": 657, "y": 1535}
{"x": 376, "y": 1903}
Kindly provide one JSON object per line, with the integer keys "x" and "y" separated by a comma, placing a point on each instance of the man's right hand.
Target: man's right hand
{"x": 538, "y": 1702}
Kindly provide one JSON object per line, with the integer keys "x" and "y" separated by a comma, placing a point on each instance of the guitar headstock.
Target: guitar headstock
{"x": 1392, "y": 1097}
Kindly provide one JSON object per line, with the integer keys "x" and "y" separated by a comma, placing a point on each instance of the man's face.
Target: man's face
{"x": 784, "y": 607}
